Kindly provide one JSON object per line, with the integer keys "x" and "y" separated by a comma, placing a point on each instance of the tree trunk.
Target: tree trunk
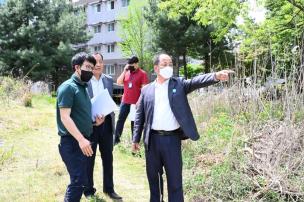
{"x": 177, "y": 66}
{"x": 185, "y": 66}
{"x": 55, "y": 78}
{"x": 300, "y": 79}
{"x": 207, "y": 65}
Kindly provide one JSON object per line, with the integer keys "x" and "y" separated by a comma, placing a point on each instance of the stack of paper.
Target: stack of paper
{"x": 102, "y": 104}
{"x": 132, "y": 112}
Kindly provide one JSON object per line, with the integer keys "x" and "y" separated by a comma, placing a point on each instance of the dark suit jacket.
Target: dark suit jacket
{"x": 178, "y": 89}
{"x": 108, "y": 84}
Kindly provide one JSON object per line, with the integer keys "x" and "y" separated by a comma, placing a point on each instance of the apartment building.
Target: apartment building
{"x": 103, "y": 24}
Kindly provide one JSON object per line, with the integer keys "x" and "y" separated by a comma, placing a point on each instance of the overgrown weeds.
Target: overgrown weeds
{"x": 15, "y": 90}
{"x": 251, "y": 146}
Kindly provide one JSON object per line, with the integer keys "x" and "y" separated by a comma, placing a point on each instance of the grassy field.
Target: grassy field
{"x": 221, "y": 166}
{"x": 31, "y": 168}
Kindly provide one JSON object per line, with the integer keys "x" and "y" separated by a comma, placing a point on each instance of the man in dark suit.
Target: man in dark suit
{"x": 164, "y": 114}
{"x": 103, "y": 135}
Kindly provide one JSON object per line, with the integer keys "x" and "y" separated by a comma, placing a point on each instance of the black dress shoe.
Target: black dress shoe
{"x": 113, "y": 195}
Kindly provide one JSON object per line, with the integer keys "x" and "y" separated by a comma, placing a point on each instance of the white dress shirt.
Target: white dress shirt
{"x": 97, "y": 85}
{"x": 163, "y": 118}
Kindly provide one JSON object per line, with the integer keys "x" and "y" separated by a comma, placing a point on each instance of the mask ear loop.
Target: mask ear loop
{"x": 79, "y": 73}
{"x": 76, "y": 70}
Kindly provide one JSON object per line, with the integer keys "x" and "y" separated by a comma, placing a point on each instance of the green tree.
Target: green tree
{"x": 220, "y": 14}
{"x": 182, "y": 37}
{"x": 36, "y": 36}
{"x": 278, "y": 40}
{"x": 136, "y": 35}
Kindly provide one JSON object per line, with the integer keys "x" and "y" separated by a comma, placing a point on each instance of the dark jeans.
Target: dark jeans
{"x": 76, "y": 164}
{"x": 103, "y": 136}
{"x": 165, "y": 151}
{"x": 123, "y": 114}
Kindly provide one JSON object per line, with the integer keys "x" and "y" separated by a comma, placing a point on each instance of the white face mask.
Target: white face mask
{"x": 166, "y": 72}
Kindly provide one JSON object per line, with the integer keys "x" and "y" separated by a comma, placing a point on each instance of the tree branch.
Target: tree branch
{"x": 296, "y": 4}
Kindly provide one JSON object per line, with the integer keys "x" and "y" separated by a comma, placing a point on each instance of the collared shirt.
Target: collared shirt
{"x": 132, "y": 85}
{"x": 97, "y": 85}
{"x": 72, "y": 94}
{"x": 163, "y": 117}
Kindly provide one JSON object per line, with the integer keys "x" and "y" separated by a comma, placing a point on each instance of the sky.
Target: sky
{"x": 257, "y": 12}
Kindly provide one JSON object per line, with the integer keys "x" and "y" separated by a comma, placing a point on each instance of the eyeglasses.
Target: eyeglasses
{"x": 88, "y": 67}
{"x": 96, "y": 69}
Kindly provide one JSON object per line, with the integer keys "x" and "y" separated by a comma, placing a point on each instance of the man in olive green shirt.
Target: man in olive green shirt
{"x": 75, "y": 124}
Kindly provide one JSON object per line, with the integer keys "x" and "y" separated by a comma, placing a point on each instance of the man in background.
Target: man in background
{"x": 133, "y": 78}
{"x": 103, "y": 135}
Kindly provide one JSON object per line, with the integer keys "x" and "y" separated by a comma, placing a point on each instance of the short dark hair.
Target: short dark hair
{"x": 79, "y": 59}
{"x": 156, "y": 58}
{"x": 96, "y": 53}
{"x": 133, "y": 60}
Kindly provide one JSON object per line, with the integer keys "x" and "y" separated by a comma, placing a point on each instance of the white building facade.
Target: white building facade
{"x": 103, "y": 25}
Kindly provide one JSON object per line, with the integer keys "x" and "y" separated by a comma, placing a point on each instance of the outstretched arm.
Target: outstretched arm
{"x": 205, "y": 80}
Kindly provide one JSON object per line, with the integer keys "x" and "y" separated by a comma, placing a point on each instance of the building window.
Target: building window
{"x": 97, "y": 48}
{"x": 98, "y": 8}
{"x": 110, "y": 5}
{"x": 125, "y": 3}
{"x": 97, "y": 29}
{"x": 111, "y": 27}
{"x": 110, "y": 69}
{"x": 111, "y": 48}
{"x": 120, "y": 68}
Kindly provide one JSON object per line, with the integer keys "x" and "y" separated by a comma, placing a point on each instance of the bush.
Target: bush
{"x": 27, "y": 100}
{"x": 14, "y": 90}
{"x": 6, "y": 155}
{"x": 251, "y": 148}
{"x": 192, "y": 70}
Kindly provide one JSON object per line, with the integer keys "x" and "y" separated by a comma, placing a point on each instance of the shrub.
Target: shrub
{"x": 251, "y": 148}
{"x": 27, "y": 100}
{"x": 14, "y": 90}
{"x": 6, "y": 155}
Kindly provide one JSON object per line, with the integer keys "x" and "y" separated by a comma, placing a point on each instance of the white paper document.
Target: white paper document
{"x": 102, "y": 104}
{"x": 132, "y": 112}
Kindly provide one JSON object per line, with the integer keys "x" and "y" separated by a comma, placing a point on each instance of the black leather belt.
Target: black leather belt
{"x": 164, "y": 132}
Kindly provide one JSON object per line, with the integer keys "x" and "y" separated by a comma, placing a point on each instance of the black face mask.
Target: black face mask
{"x": 131, "y": 68}
{"x": 86, "y": 75}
